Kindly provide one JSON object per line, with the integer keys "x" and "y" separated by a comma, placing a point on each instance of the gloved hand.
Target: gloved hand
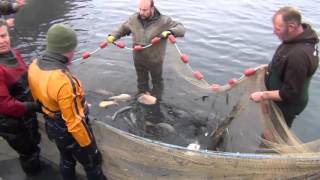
{"x": 95, "y": 156}
{"x": 33, "y": 106}
{"x": 165, "y": 34}
{"x": 111, "y": 39}
{"x": 90, "y": 149}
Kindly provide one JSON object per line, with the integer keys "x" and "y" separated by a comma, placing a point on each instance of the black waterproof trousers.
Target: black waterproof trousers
{"x": 23, "y": 136}
{"x": 70, "y": 152}
{"x": 155, "y": 71}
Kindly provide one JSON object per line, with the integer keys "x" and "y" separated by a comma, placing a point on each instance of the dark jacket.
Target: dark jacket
{"x": 7, "y": 8}
{"x": 143, "y": 31}
{"x": 291, "y": 69}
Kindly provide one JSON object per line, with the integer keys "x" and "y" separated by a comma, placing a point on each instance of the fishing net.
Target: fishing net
{"x": 197, "y": 131}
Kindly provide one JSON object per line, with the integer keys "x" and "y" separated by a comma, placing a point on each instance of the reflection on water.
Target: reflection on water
{"x": 223, "y": 37}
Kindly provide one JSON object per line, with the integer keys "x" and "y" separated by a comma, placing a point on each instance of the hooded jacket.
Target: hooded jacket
{"x": 291, "y": 69}
{"x": 143, "y": 31}
{"x": 60, "y": 94}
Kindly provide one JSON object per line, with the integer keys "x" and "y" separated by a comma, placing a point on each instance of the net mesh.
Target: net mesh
{"x": 234, "y": 136}
{"x": 231, "y": 136}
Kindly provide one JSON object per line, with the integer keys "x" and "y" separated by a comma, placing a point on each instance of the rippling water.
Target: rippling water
{"x": 223, "y": 37}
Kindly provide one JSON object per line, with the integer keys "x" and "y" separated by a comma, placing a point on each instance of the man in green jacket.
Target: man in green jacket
{"x": 144, "y": 26}
{"x": 293, "y": 65}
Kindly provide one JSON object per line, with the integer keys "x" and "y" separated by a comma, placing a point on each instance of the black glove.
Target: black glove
{"x": 33, "y": 106}
{"x": 90, "y": 149}
{"x": 94, "y": 156}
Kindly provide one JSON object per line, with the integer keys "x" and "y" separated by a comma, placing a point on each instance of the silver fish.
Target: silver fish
{"x": 167, "y": 127}
{"x": 105, "y": 104}
{"x": 115, "y": 115}
{"x": 121, "y": 97}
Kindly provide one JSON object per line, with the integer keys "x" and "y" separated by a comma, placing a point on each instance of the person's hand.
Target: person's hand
{"x": 263, "y": 66}
{"x": 10, "y": 22}
{"x": 33, "y": 106}
{"x": 20, "y": 3}
{"x": 92, "y": 151}
{"x": 111, "y": 39}
{"x": 257, "y": 96}
{"x": 165, "y": 34}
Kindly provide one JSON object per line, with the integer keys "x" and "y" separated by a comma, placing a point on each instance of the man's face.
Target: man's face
{"x": 284, "y": 31}
{"x": 145, "y": 9}
{"x": 279, "y": 27}
{"x": 4, "y": 40}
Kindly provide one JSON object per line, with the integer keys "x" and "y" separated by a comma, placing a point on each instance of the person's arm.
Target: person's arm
{"x": 10, "y": 106}
{"x": 72, "y": 110}
{"x": 294, "y": 76}
{"x": 176, "y": 28}
{"x": 123, "y": 30}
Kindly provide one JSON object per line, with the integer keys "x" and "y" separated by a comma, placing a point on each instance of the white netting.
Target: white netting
{"x": 237, "y": 137}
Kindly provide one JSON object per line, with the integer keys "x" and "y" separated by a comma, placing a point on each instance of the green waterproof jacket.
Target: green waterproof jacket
{"x": 291, "y": 69}
{"x": 143, "y": 31}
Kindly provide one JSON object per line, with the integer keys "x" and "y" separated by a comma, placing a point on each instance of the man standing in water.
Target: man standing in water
{"x": 289, "y": 73}
{"x": 64, "y": 105}
{"x": 144, "y": 26}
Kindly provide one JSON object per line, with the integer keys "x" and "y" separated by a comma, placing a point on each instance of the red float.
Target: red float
{"x": 137, "y": 48}
{"x": 172, "y": 39}
{"x": 120, "y": 44}
{"x": 198, "y": 75}
{"x": 232, "y": 82}
{"x": 185, "y": 58}
{"x": 86, "y": 55}
{"x": 155, "y": 40}
{"x": 103, "y": 45}
{"x": 249, "y": 72}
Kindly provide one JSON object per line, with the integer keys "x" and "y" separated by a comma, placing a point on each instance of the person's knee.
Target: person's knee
{"x": 24, "y": 144}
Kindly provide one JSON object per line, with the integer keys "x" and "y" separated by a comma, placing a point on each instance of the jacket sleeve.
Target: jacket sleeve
{"x": 7, "y": 8}
{"x": 9, "y": 105}
{"x": 294, "y": 76}
{"x": 176, "y": 28}
{"x": 123, "y": 30}
{"x": 72, "y": 110}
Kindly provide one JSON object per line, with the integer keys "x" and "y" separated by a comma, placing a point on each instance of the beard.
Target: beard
{"x": 147, "y": 15}
{"x": 143, "y": 17}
